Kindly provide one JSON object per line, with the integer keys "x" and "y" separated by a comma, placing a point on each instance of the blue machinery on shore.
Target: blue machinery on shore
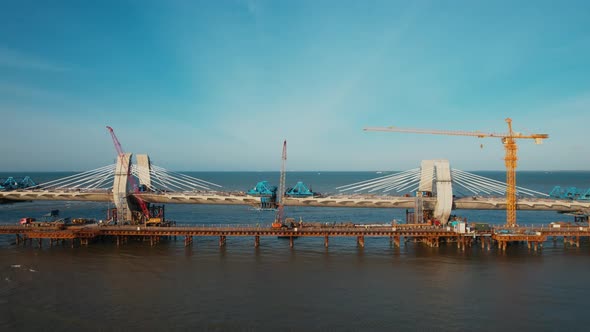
{"x": 571, "y": 193}
{"x": 12, "y": 183}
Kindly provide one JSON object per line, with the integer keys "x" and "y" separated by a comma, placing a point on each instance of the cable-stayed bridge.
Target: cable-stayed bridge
{"x": 434, "y": 187}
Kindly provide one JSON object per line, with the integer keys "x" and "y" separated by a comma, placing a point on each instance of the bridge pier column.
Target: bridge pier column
{"x": 360, "y": 241}
{"x": 396, "y": 241}
{"x": 188, "y": 241}
{"x": 40, "y": 242}
{"x": 17, "y": 239}
{"x": 291, "y": 241}
{"x": 118, "y": 240}
{"x": 528, "y": 244}
{"x": 257, "y": 241}
{"x": 120, "y": 188}
{"x": 222, "y": 241}
{"x": 326, "y": 241}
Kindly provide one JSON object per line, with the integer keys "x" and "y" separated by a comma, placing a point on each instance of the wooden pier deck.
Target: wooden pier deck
{"x": 433, "y": 236}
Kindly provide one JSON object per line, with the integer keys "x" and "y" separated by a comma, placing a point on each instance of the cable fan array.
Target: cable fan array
{"x": 478, "y": 185}
{"x": 464, "y": 183}
{"x": 100, "y": 178}
{"x": 399, "y": 182}
{"x": 164, "y": 180}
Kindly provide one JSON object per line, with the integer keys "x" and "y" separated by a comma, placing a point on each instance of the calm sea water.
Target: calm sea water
{"x": 274, "y": 287}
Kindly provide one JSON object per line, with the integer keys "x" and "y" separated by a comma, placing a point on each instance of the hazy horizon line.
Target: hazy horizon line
{"x": 308, "y": 171}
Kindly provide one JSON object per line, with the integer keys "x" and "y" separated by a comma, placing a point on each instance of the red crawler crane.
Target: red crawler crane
{"x": 130, "y": 178}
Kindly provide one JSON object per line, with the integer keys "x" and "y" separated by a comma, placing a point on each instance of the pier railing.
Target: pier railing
{"x": 529, "y": 229}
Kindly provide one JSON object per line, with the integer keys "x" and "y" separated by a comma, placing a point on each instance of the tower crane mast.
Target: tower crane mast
{"x": 510, "y": 158}
{"x": 120, "y": 152}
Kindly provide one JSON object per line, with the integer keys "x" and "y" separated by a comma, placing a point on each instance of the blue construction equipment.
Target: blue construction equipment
{"x": 26, "y": 182}
{"x": 556, "y": 192}
{"x": 263, "y": 189}
{"x": 572, "y": 193}
{"x": 267, "y": 194}
{"x": 12, "y": 183}
{"x": 299, "y": 191}
{"x": 585, "y": 196}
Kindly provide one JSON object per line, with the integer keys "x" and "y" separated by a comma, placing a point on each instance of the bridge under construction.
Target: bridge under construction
{"x": 432, "y": 191}
{"x": 436, "y": 189}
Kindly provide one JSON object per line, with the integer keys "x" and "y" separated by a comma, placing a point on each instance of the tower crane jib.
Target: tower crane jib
{"x": 510, "y": 158}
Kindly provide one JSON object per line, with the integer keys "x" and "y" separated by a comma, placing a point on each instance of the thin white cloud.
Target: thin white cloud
{"x": 254, "y": 7}
{"x": 24, "y": 91}
{"x": 11, "y": 58}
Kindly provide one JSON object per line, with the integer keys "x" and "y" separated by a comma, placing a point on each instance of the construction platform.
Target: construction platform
{"x": 432, "y": 236}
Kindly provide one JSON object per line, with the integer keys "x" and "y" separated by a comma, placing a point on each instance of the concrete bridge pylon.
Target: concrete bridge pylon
{"x": 121, "y": 187}
{"x": 144, "y": 168}
{"x": 435, "y": 177}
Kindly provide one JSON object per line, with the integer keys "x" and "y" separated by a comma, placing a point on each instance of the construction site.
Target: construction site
{"x": 429, "y": 194}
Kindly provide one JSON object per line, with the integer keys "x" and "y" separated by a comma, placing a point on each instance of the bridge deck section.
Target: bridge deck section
{"x": 357, "y": 201}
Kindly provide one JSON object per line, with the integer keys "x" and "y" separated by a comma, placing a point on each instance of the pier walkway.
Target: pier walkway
{"x": 433, "y": 236}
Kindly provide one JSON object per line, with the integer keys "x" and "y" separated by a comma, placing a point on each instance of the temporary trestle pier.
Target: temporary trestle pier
{"x": 432, "y": 236}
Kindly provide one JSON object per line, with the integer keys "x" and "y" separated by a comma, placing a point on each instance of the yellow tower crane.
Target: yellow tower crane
{"x": 509, "y": 141}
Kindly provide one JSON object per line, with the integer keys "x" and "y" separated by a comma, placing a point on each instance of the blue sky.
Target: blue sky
{"x": 217, "y": 85}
